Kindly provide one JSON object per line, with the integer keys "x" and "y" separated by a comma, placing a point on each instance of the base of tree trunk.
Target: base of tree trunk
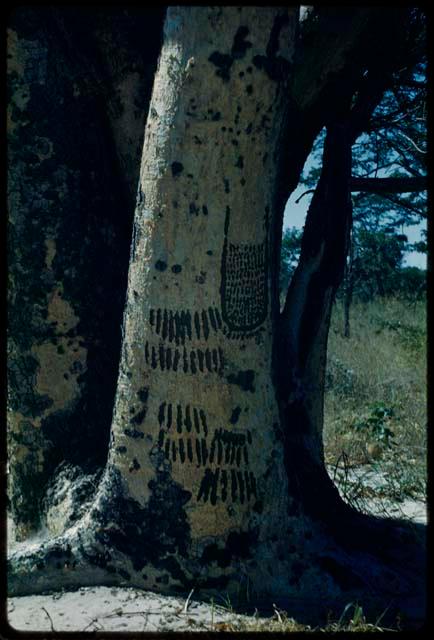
{"x": 351, "y": 557}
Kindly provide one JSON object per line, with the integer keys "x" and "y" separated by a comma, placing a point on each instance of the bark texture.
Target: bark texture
{"x": 75, "y": 134}
{"x": 201, "y": 470}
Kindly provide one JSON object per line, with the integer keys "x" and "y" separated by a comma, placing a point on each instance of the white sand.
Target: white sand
{"x": 115, "y": 609}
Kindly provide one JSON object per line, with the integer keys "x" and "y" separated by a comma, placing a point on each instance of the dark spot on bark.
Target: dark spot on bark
{"x": 133, "y": 433}
{"x": 148, "y": 535}
{"x": 239, "y": 544}
{"x": 241, "y": 74}
{"x": 209, "y": 252}
{"x": 226, "y": 183}
{"x": 342, "y": 574}
{"x": 275, "y": 66}
{"x": 216, "y": 116}
{"x": 204, "y": 210}
{"x": 244, "y": 379}
{"x": 249, "y": 89}
{"x": 194, "y": 210}
{"x": 240, "y": 162}
{"x": 243, "y": 181}
{"x": 138, "y": 419}
{"x": 235, "y": 142}
{"x": 121, "y": 449}
{"x": 212, "y": 553}
{"x": 258, "y": 506}
{"x": 223, "y": 62}
{"x": 160, "y": 265}
{"x": 134, "y": 465}
{"x": 143, "y": 394}
{"x": 177, "y": 168}
{"x": 176, "y": 268}
{"x": 240, "y": 44}
{"x": 235, "y": 415}
{"x": 124, "y": 574}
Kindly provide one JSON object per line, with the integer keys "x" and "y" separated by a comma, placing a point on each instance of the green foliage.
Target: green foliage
{"x": 289, "y": 255}
{"x": 375, "y": 263}
{"x": 376, "y": 424}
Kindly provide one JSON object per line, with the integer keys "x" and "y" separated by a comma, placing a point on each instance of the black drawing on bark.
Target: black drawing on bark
{"x": 183, "y": 437}
{"x": 244, "y": 278}
{"x": 189, "y": 361}
{"x": 181, "y": 325}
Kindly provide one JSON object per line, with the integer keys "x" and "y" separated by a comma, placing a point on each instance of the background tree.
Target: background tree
{"x": 184, "y": 500}
{"x": 388, "y": 181}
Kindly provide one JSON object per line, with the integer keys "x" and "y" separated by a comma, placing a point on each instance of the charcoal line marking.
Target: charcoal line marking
{"x": 189, "y": 450}
{"x": 197, "y": 324}
{"x": 196, "y": 420}
{"x": 181, "y": 450}
{"x": 165, "y": 331}
{"x": 203, "y": 420}
{"x": 187, "y": 420}
{"x": 198, "y": 452}
{"x": 158, "y": 326}
{"x": 161, "y": 413}
{"x": 178, "y": 418}
{"x": 205, "y": 325}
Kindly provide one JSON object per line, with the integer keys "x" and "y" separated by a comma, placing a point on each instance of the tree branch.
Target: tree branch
{"x": 305, "y": 193}
{"x": 389, "y": 185}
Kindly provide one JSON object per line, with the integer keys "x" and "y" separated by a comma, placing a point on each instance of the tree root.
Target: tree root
{"x": 376, "y": 562}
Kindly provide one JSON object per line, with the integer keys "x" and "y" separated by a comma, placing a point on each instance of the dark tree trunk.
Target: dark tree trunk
{"x": 79, "y": 87}
{"x": 348, "y": 287}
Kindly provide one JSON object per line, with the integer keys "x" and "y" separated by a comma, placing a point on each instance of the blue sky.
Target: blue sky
{"x": 295, "y": 215}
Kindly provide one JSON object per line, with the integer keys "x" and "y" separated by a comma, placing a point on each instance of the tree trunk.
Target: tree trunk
{"x": 202, "y": 485}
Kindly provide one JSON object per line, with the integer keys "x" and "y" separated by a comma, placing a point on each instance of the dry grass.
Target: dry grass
{"x": 351, "y": 619}
{"x": 375, "y": 402}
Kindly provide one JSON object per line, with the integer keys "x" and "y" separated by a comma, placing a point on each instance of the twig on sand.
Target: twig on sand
{"x": 49, "y": 617}
{"x": 93, "y": 621}
{"x": 187, "y": 602}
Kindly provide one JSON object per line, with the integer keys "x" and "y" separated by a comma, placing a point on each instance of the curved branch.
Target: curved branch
{"x": 305, "y": 193}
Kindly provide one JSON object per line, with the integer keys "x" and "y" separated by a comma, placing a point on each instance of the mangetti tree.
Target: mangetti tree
{"x": 215, "y": 477}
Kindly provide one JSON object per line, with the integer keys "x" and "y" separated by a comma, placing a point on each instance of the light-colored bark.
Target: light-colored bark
{"x": 198, "y": 332}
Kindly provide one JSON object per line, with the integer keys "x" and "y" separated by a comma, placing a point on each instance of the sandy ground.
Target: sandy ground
{"x": 114, "y": 609}
{"x": 124, "y": 609}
